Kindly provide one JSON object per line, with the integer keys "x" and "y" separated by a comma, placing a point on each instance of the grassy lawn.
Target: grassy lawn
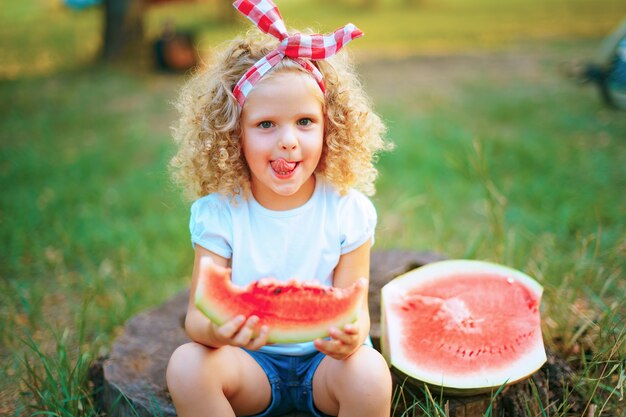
{"x": 497, "y": 157}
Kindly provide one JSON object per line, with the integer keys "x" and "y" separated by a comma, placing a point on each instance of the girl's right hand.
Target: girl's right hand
{"x": 240, "y": 332}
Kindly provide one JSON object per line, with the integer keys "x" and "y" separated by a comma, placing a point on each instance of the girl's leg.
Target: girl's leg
{"x": 216, "y": 382}
{"x": 357, "y": 386}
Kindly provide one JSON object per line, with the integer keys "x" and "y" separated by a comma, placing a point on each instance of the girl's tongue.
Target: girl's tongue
{"x": 282, "y": 166}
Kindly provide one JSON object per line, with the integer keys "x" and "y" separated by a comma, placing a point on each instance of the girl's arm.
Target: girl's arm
{"x": 237, "y": 332}
{"x": 344, "y": 342}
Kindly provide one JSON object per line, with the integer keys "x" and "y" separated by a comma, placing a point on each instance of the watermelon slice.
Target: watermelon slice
{"x": 293, "y": 311}
{"x": 465, "y": 326}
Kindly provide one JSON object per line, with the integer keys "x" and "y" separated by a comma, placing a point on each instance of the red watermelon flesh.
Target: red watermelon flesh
{"x": 463, "y": 325}
{"x": 293, "y": 311}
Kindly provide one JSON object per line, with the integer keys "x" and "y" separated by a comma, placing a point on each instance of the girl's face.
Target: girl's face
{"x": 282, "y": 125}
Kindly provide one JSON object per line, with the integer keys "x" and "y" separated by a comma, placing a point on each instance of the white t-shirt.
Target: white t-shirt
{"x": 304, "y": 243}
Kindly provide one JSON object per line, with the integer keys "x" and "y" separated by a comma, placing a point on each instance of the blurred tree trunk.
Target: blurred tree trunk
{"x": 123, "y": 29}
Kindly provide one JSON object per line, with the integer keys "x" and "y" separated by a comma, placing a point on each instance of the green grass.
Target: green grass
{"x": 87, "y": 211}
{"x": 542, "y": 159}
{"x": 497, "y": 157}
{"x": 57, "y": 384}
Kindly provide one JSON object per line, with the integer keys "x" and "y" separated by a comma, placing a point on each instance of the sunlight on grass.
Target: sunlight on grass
{"x": 42, "y": 36}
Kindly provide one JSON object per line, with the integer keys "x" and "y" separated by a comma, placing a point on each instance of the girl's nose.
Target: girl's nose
{"x": 288, "y": 140}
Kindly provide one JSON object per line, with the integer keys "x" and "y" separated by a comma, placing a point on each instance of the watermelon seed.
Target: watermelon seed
{"x": 277, "y": 291}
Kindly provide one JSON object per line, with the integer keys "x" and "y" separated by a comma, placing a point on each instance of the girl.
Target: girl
{"x": 276, "y": 138}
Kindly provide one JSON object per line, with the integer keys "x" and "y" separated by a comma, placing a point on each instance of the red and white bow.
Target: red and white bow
{"x": 298, "y": 47}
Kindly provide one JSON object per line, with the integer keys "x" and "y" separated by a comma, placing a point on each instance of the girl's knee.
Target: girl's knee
{"x": 367, "y": 379}
{"x": 189, "y": 364}
{"x": 361, "y": 383}
{"x": 374, "y": 387}
{"x": 370, "y": 365}
{"x": 367, "y": 372}
{"x": 184, "y": 359}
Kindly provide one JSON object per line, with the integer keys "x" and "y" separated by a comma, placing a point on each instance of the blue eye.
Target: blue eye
{"x": 305, "y": 121}
{"x": 265, "y": 124}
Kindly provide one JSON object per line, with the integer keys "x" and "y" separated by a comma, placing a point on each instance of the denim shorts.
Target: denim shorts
{"x": 291, "y": 379}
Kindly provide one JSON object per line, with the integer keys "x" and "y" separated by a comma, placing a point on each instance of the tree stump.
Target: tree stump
{"x": 131, "y": 381}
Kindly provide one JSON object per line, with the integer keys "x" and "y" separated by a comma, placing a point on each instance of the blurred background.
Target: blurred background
{"x": 500, "y": 155}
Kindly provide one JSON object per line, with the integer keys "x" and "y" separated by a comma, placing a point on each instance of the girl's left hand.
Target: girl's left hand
{"x": 342, "y": 343}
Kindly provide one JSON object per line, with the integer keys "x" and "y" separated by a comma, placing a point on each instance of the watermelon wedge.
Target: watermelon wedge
{"x": 293, "y": 311}
{"x": 465, "y": 326}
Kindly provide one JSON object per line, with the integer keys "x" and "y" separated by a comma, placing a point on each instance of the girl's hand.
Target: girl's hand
{"x": 342, "y": 343}
{"x": 240, "y": 332}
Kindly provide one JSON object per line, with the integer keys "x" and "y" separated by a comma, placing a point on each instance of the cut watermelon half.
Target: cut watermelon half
{"x": 293, "y": 311}
{"x": 465, "y": 326}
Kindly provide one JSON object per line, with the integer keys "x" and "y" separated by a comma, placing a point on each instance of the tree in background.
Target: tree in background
{"x": 124, "y": 35}
{"x": 123, "y": 28}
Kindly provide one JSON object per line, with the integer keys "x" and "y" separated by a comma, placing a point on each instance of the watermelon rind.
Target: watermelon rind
{"x": 479, "y": 381}
{"x": 305, "y": 332}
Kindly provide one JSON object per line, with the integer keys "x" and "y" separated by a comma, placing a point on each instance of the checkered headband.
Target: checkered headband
{"x": 298, "y": 47}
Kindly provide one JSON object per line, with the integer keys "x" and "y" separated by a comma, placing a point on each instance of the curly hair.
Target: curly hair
{"x": 209, "y": 157}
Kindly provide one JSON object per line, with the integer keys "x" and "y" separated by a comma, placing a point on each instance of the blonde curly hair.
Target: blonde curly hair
{"x": 209, "y": 157}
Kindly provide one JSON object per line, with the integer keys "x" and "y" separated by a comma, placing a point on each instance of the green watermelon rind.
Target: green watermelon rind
{"x": 471, "y": 385}
{"x": 276, "y": 335}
